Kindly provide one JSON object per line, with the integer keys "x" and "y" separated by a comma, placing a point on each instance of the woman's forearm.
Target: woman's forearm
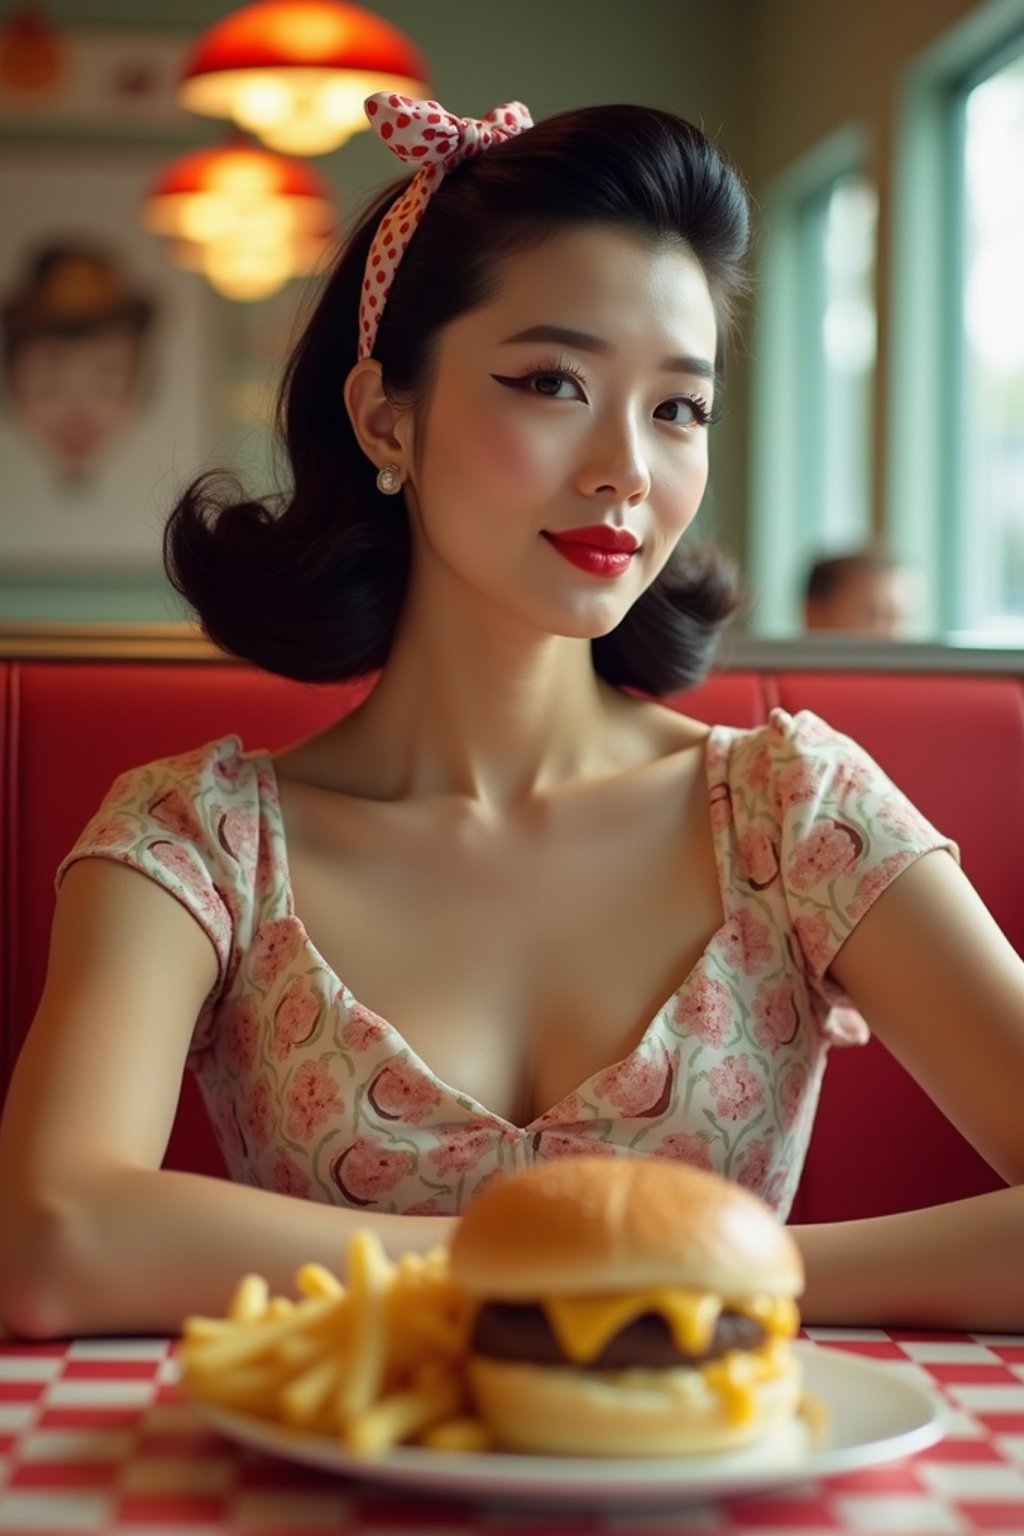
{"x": 148, "y": 1247}
{"x": 949, "y": 1266}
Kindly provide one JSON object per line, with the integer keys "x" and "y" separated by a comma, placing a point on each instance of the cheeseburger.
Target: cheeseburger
{"x": 628, "y": 1307}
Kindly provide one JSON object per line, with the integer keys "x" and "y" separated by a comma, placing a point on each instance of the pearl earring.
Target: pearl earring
{"x": 389, "y": 480}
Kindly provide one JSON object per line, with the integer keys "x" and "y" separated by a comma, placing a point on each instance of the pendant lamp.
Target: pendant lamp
{"x": 248, "y": 219}
{"x": 296, "y": 72}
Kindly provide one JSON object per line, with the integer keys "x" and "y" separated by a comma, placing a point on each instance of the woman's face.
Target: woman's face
{"x": 75, "y": 393}
{"x": 576, "y": 399}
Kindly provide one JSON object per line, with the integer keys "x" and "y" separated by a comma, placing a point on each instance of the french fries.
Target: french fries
{"x": 375, "y": 1363}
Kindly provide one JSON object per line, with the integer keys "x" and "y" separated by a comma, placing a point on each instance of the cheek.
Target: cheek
{"x": 509, "y": 450}
{"x": 485, "y": 448}
{"x": 688, "y": 479}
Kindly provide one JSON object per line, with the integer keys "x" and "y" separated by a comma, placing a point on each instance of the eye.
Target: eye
{"x": 685, "y": 411}
{"x": 562, "y": 383}
{"x": 552, "y": 384}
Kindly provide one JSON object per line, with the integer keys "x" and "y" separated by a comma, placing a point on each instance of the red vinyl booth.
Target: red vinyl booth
{"x": 954, "y": 743}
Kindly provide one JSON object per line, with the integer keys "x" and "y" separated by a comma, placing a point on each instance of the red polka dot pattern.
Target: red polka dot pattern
{"x": 420, "y": 133}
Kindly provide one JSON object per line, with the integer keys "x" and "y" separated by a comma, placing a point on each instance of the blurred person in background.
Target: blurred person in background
{"x": 866, "y": 591}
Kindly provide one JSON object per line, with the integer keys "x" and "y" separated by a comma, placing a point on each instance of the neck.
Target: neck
{"x": 472, "y": 704}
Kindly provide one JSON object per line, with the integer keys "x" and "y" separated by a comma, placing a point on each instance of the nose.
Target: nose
{"x": 614, "y": 467}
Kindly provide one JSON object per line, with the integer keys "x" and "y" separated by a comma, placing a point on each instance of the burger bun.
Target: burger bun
{"x": 568, "y": 1412}
{"x": 587, "y": 1225}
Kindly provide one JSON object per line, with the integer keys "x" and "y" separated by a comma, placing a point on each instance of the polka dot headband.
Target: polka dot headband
{"x": 421, "y": 133}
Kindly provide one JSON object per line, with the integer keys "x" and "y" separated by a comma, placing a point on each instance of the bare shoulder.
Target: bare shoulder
{"x": 343, "y": 758}
{"x": 653, "y": 730}
{"x": 678, "y": 730}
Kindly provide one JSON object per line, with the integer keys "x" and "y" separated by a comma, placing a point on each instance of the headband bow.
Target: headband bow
{"x": 423, "y": 134}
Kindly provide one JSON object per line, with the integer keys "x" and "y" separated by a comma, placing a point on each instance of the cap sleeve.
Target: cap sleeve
{"x": 190, "y": 823}
{"x": 845, "y": 832}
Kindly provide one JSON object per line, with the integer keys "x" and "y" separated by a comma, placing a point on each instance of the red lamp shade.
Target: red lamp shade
{"x": 245, "y": 217}
{"x": 296, "y": 72}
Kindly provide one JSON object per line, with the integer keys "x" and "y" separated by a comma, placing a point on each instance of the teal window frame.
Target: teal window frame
{"x": 923, "y": 454}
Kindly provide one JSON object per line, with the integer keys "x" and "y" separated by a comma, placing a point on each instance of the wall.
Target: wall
{"x": 821, "y": 66}
{"x": 677, "y": 54}
{"x": 770, "y": 79}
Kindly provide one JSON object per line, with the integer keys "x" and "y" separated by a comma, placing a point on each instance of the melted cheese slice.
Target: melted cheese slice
{"x": 736, "y": 1375}
{"x": 583, "y": 1325}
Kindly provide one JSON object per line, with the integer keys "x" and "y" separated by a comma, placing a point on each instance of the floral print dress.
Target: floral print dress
{"x": 313, "y": 1094}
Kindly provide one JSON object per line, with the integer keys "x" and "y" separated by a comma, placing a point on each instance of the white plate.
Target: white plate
{"x": 874, "y": 1415}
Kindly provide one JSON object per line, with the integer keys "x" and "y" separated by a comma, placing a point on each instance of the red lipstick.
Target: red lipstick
{"x": 600, "y": 549}
{"x": 619, "y": 540}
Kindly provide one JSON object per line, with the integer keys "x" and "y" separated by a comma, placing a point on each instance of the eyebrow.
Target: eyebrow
{"x": 584, "y": 342}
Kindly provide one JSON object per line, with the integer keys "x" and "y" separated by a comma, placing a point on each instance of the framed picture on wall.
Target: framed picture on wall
{"x": 110, "y": 375}
{"x": 113, "y": 367}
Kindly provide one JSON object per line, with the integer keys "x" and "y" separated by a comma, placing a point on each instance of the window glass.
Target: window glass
{"x": 988, "y": 579}
{"x": 836, "y": 297}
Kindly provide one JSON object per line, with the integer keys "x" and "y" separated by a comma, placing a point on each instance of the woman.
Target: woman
{"x": 510, "y": 907}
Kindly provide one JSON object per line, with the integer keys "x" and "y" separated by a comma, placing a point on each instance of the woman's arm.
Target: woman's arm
{"x": 97, "y": 1238}
{"x": 943, "y": 990}
{"x": 951, "y": 1266}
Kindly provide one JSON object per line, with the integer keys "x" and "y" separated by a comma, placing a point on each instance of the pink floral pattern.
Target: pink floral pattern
{"x": 637, "y": 1087}
{"x": 684, "y": 1148}
{"x": 814, "y": 935}
{"x": 240, "y": 1024}
{"x": 259, "y": 1112}
{"x": 172, "y": 811}
{"x": 736, "y": 1087}
{"x": 871, "y": 884}
{"x": 312, "y": 1100}
{"x": 792, "y": 1086}
{"x": 759, "y": 858}
{"x": 295, "y": 1018}
{"x": 720, "y": 806}
{"x": 746, "y": 942}
{"x": 831, "y": 849}
{"x": 288, "y": 1178}
{"x": 370, "y": 1168}
{"x": 776, "y": 1016}
{"x": 274, "y": 947}
{"x": 754, "y": 1167}
{"x": 238, "y": 833}
{"x": 400, "y": 1091}
{"x": 314, "y": 1095}
{"x": 363, "y": 1029}
{"x": 704, "y": 1009}
{"x": 461, "y": 1148}
{"x": 795, "y": 784}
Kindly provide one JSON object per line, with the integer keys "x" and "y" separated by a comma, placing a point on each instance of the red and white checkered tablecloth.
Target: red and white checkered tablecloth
{"x": 94, "y": 1437}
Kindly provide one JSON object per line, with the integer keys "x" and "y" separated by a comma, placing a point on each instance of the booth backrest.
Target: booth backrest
{"x": 954, "y": 743}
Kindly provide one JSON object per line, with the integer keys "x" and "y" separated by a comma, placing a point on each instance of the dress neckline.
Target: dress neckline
{"x": 544, "y": 1121}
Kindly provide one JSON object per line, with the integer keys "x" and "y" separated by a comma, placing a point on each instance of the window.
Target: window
{"x": 813, "y": 376}
{"x": 986, "y": 570}
{"x": 836, "y": 357}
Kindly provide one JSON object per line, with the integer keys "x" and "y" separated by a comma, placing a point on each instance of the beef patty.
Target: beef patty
{"x": 510, "y": 1331}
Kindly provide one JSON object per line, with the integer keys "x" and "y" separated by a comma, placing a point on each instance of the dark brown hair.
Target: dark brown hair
{"x": 828, "y": 573}
{"x": 310, "y": 584}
